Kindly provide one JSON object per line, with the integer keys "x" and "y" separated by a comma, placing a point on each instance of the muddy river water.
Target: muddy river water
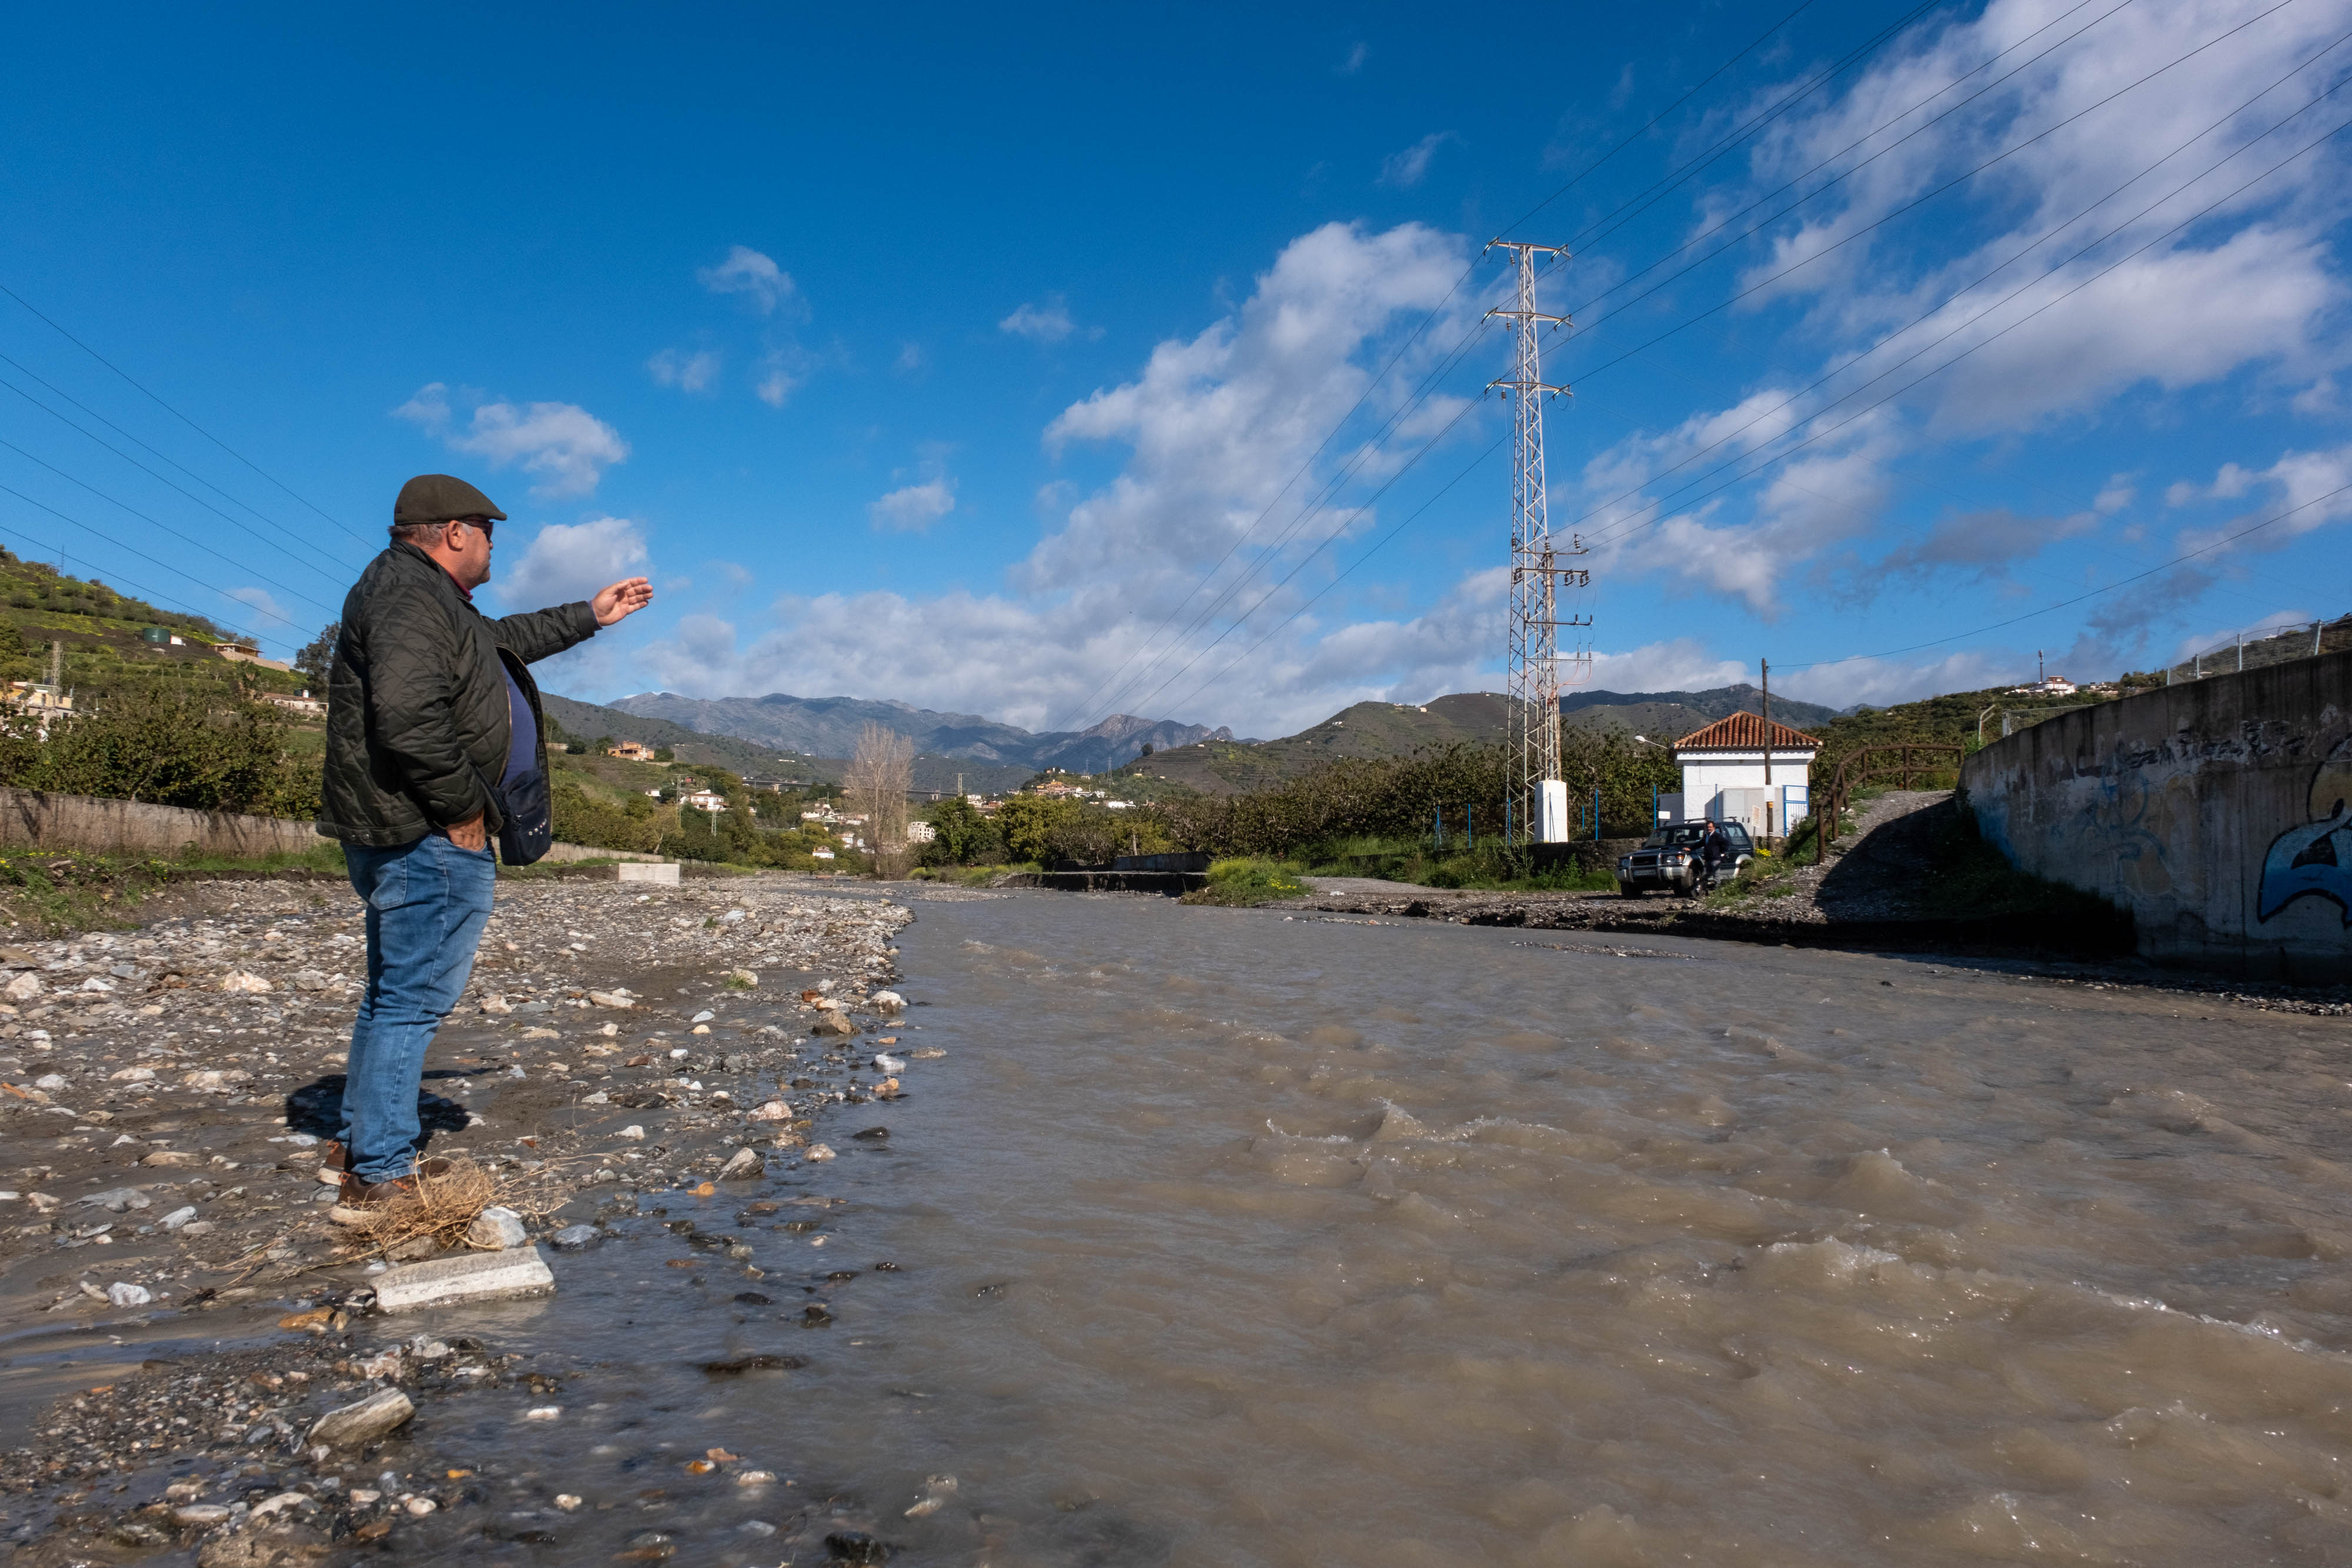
{"x": 1227, "y": 1239}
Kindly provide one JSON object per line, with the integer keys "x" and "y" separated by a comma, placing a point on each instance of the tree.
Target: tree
{"x": 317, "y": 659}
{"x": 1027, "y": 822}
{"x": 962, "y": 836}
{"x": 881, "y": 771}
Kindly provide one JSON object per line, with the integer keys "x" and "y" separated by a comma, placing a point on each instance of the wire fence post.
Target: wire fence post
{"x": 1596, "y": 814}
{"x": 1470, "y": 825}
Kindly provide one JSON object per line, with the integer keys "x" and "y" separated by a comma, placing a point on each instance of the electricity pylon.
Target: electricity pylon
{"x": 1537, "y": 574}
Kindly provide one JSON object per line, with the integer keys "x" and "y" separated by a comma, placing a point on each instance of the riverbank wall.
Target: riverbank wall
{"x": 38, "y": 819}
{"x": 41, "y": 819}
{"x": 2217, "y": 812}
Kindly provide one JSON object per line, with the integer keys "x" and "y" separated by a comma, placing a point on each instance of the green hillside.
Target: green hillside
{"x": 1368, "y": 729}
{"x": 99, "y": 631}
{"x": 592, "y": 721}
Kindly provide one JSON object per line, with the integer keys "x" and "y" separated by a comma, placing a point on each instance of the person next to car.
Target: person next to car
{"x": 430, "y": 707}
{"x": 1713, "y": 850}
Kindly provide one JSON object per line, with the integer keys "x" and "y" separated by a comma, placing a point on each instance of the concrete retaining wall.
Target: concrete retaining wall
{"x": 560, "y": 850}
{"x": 41, "y": 819}
{"x": 2218, "y": 811}
{"x": 38, "y": 820}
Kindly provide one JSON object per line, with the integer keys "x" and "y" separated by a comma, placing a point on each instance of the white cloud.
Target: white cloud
{"x": 567, "y": 561}
{"x": 1213, "y": 428}
{"x": 261, "y": 599}
{"x": 1219, "y": 425}
{"x": 1353, "y": 60}
{"x": 756, "y": 276}
{"x": 914, "y": 509}
{"x": 782, "y": 370}
{"x": 693, "y": 372}
{"x": 568, "y": 447}
{"x": 1407, "y": 169}
{"x": 2114, "y": 496}
{"x": 1046, "y": 323}
{"x": 910, "y": 360}
{"x": 2303, "y": 490}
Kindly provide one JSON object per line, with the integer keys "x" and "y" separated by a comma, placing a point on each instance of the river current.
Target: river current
{"x": 1223, "y": 1238}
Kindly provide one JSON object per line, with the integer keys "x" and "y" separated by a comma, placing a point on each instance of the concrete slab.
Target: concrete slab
{"x": 469, "y": 1277}
{"x": 637, "y": 870}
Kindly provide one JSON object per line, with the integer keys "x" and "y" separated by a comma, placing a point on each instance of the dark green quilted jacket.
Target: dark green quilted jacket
{"x": 417, "y": 708}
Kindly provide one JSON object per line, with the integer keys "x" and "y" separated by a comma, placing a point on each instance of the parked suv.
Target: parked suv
{"x": 1669, "y": 859}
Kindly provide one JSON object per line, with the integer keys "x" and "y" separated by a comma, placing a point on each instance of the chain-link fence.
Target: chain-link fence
{"x": 2278, "y": 645}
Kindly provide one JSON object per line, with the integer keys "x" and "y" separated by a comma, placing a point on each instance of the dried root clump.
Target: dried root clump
{"x": 440, "y": 1207}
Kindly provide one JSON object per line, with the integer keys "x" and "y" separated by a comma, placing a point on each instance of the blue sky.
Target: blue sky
{"x": 1062, "y": 362}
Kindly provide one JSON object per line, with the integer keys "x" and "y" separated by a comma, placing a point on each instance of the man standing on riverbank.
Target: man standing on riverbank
{"x": 431, "y": 709}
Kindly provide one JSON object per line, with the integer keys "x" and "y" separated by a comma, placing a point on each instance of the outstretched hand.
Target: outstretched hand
{"x": 623, "y": 597}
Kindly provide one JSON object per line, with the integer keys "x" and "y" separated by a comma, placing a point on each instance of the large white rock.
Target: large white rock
{"x": 23, "y": 988}
{"x": 467, "y": 1276}
{"x": 496, "y": 1229}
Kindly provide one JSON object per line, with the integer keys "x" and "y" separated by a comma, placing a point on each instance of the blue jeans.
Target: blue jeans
{"x": 426, "y": 905}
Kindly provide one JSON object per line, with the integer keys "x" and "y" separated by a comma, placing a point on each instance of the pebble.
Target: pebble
{"x": 575, "y": 1238}
{"x": 818, "y": 1152}
{"x": 121, "y": 1295}
{"x": 543, "y": 1412}
{"x": 567, "y": 1501}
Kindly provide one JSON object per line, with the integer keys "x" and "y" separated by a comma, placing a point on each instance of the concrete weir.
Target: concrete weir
{"x": 2218, "y": 811}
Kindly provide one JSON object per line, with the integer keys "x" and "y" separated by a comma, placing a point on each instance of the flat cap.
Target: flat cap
{"x": 437, "y": 498}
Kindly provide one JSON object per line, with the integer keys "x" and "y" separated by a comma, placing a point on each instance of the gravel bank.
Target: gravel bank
{"x": 164, "y": 1090}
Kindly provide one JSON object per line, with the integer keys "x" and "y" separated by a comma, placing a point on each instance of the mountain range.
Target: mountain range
{"x": 810, "y": 737}
{"x": 829, "y": 726}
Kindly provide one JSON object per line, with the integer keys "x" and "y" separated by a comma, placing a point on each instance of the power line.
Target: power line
{"x": 1621, "y": 531}
{"x": 1428, "y": 320}
{"x": 1868, "y": 228}
{"x": 334, "y": 569}
{"x": 1682, "y": 174}
{"x": 1842, "y": 175}
{"x": 153, "y": 523}
{"x": 2066, "y": 603}
{"x": 175, "y": 413}
{"x": 1391, "y": 534}
{"x": 142, "y": 555}
{"x": 1887, "y": 342}
{"x": 1920, "y": 200}
{"x": 148, "y": 447}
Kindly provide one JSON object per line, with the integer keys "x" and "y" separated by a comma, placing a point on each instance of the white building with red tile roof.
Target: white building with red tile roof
{"x": 1724, "y": 776}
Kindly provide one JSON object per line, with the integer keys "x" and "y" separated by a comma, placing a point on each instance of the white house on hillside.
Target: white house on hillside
{"x": 1723, "y": 776}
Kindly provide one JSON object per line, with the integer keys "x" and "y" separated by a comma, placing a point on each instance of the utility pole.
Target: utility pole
{"x": 1766, "y": 665}
{"x": 1537, "y": 574}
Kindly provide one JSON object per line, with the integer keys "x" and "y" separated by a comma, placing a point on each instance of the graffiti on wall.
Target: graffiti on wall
{"x": 2314, "y": 858}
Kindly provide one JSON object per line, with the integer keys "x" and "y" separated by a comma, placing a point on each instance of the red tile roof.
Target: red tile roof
{"x": 1745, "y": 732}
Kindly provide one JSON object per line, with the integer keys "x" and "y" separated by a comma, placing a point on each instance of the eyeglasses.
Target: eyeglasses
{"x": 482, "y": 524}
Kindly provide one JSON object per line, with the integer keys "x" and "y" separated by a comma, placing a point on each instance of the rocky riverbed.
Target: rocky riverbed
{"x": 163, "y": 1092}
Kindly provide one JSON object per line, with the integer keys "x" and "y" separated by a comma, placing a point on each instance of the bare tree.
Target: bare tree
{"x": 881, "y": 772}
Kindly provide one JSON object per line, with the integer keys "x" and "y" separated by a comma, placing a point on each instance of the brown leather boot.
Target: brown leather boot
{"x": 359, "y": 1201}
